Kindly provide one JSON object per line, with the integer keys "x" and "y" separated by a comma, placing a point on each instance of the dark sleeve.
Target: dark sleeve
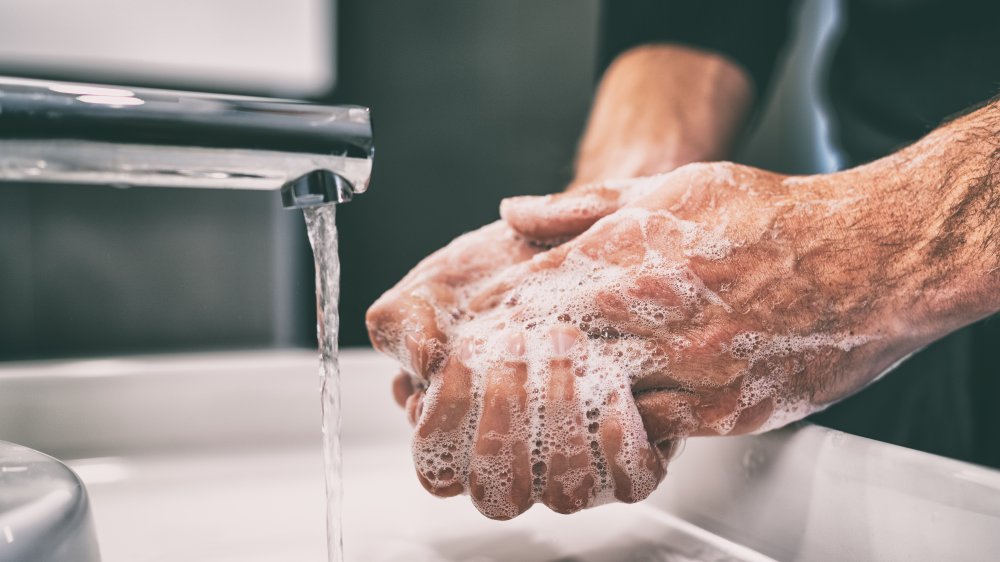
{"x": 748, "y": 32}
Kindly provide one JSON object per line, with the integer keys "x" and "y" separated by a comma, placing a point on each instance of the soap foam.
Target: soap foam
{"x": 606, "y": 364}
{"x": 605, "y": 360}
{"x": 757, "y": 347}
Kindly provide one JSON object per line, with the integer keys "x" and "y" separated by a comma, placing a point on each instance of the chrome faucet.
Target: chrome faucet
{"x": 70, "y": 133}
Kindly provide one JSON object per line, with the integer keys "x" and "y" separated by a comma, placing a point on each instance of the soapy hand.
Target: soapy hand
{"x": 735, "y": 299}
{"x": 480, "y": 415}
{"x": 410, "y": 322}
{"x": 716, "y": 299}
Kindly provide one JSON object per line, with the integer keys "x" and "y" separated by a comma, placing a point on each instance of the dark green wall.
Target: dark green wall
{"x": 472, "y": 102}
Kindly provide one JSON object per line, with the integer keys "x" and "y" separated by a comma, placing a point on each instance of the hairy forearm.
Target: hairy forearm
{"x": 659, "y": 107}
{"x": 945, "y": 190}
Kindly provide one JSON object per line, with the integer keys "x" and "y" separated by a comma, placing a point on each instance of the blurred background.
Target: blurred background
{"x": 472, "y": 102}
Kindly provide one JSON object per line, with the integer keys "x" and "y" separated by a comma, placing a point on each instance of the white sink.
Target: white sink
{"x": 217, "y": 457}
{"x": 252, "y": 507}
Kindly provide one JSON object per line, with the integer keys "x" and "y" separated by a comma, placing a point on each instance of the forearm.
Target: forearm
{"x": 659, "y": 107}
{"x": 946, "y": 192}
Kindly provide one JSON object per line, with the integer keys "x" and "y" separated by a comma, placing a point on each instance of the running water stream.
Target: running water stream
{"x": 323, "y": 238}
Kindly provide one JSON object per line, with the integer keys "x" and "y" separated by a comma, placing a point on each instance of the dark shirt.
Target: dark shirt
{"x": 900, "y": 69}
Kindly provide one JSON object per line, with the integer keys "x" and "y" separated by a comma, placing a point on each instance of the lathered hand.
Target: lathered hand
{"x": 411, "y": 322}
{"x": 716, "y": 299}
{"x": 728, "y": 299}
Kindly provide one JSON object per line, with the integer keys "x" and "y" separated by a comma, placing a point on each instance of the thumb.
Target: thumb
{"x": 667, "y": 415}
{"x": 568, "y": 214}
{"x": 562, "y": 215}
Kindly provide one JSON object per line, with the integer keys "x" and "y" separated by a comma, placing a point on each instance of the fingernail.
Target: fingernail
{"x": 402, "y": 388}
{"x": 515, "y": 344}
{"x": 427, "y": 355}
{"x": 467, "y": 350}
{"x": 511, "y": 205}
{"x": 529, "y": 203}
{"x": 413, "y": 345}
{"x": 415, "y": 407}
{"x": 420, "y": 405}
{"x": 562, "y": 340}
{"x": 666, "y": 449}
{"x": 670, "y": 449}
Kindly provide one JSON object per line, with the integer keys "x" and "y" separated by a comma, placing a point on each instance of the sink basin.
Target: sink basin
{"x": 266, "y": 507}
{"x": 216, "y": 457}
{"x": 44, "y": 512}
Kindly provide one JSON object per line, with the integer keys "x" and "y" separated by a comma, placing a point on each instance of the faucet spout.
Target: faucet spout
{"x": 69, "y": 133}
{"x": 316, "y": 188}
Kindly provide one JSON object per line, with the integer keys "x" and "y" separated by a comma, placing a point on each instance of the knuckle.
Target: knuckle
{"x": 636, "y": 495}
{"x": 449, "y": 490}
{"x": 402, "y": 388}
{"x": 693, "y": 169}
{"x": 411, "y": 406}
{"x": 709, "y": 172}
{"x": 487, "y": 512}
{"x": 563, "y": 508}
{"x": 440, "y": 489}
{"x": 381, "y": 320}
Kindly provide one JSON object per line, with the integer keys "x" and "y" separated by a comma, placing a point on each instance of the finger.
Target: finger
{"x": 438, "y": 489}
{"x": 414, "y": 407}
{"x": 471, "y": 256}
{"x": 689, "y": 187}
{"x": 404, "y": 326}
{"x": 443, "y": 437}
{"x": 668, "y": 416}
{"x": 753, "y": 417}
{"x": 687, "y": 361}
{"x": 502, "y": 289}
{"x": 402, "y": 388}
{"x": 703, "y": 399}
{"x": 562, "y": 215}
{"x": 718, "y": 408}
{"x": 628, "y": 457}
{"x": 492, "y": 295}
{"x": 659, "y": 380}
{"x": 569, "y": 480}
{"x": 667, "y": 450}
{"x": 500, "y": 472}
{"x": 641, "y": 313}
